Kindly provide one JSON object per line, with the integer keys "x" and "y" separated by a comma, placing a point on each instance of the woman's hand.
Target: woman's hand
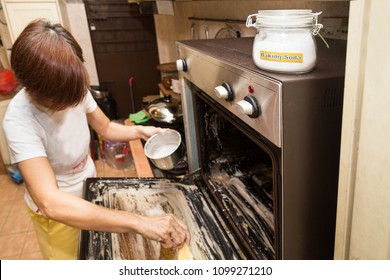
{"x": 145, "y": 132}
{"x": 167, "y": 229}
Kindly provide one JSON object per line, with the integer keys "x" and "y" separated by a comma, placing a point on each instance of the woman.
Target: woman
{"x": 46, "y": 126}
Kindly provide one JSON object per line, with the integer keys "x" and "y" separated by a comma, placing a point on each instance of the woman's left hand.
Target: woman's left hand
{"x": 166, "y": 229}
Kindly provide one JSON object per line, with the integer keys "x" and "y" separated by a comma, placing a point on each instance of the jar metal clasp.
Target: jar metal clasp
{"x": 317, "y": 28}
{"x": 249, "y": 22}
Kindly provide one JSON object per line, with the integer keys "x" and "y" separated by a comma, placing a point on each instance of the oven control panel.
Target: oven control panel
{"x": 253, "y": 98}
{"x": 248, "y": 106}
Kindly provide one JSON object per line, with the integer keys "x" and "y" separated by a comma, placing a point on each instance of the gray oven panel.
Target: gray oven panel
{"x": 207, "y": 73}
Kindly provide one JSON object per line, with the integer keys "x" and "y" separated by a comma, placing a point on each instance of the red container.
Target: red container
{"x": 7, "y": 81}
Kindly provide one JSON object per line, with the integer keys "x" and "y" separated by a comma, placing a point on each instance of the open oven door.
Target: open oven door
{"x": 210, "y": 239}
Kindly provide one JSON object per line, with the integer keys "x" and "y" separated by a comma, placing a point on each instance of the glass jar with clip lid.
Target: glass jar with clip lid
{"x": 285, "y": 41}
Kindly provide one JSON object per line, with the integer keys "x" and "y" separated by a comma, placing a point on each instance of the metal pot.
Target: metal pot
{"x": 105, "y": 101}
{"x": 164, "y": 149}
{"x": 165, "y": 110}
{"x": 99, "y": 92}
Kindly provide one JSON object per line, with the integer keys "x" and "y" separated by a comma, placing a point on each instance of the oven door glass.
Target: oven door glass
{"x": 154, "y": 197}
{"x": 240, "y": 170}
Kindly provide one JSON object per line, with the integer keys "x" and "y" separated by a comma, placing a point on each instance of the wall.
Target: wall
{"x": 75, "y": 19}
{"x": 73, "y": 16}
{"x": 170, "y": 28}
{"x": 5, "y": 40}
{"x": 363, "y": 217}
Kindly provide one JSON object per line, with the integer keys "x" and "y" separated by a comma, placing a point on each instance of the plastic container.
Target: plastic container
{"x": 8, "y": 81}
{"x": 285, "y": 41}
{"x": 118, "y": 154}
{"x": 15, "y": 174}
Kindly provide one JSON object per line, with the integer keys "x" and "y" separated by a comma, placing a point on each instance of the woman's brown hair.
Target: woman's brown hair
{"x": 48, "y": 62}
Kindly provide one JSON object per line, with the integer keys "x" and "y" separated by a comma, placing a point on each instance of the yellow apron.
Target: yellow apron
{"x": 56, "y": 240}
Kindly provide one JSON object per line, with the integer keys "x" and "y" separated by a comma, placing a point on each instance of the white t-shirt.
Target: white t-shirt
{"x": 63, "y": 137}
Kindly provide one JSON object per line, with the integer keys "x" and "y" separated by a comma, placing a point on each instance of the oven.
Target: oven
{"x": 268, "y": 144}
{"x": 262, "y": 155}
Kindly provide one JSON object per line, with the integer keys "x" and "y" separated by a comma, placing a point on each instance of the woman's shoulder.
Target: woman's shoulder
{"x": 20, "y": 108}
{"x": 20, "y": 100}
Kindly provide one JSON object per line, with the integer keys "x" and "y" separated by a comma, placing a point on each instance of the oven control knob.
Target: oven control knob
{"x": 181, "y": 65}
{"x": 249, "y": 106}
{"x": 224, "y": 91}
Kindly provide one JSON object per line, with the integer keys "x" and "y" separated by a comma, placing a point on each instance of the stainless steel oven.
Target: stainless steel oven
{"x": 263, "y": 156}
{"x": 267, "y": 144}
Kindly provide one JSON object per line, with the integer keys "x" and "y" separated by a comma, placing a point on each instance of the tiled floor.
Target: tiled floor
{"x": 17, "y": 236}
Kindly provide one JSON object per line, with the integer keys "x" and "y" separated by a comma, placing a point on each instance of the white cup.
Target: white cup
{"x": 175, "y": 86}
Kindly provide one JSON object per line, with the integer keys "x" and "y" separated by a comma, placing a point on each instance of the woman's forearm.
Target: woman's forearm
{"x": 114, "y": 131}
{"x": 79, "y": 213}
{"x": 166, "y": 229}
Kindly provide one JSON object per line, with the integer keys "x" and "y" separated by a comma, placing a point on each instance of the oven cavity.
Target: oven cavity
{"x": 240, "y": 177}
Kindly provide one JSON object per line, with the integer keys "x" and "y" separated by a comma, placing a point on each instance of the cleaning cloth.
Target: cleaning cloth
{"x": 185, "y": 253}
{"x": 139, "y": 117}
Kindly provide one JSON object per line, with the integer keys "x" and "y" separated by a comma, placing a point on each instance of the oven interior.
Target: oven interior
{"x": 240, "y": 172}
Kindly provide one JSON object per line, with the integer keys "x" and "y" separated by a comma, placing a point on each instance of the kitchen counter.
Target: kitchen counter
{"x": 141, "y": 162}
{"x": 144, "y": 168}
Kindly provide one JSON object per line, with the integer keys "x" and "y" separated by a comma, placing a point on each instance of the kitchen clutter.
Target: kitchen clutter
{"x": 8, "y": 81}
{"x": 284, "y": 40}
{"x": 117, "y": 154}
{"x": 165, "y": 110}
{"x": 105, "y": 101}
{"x": 162, "y": 110}
{"x": 14, "y": 173}
{"x": 169, "y": 76}
{"x": 168, "y": 72}
{"x": 175, "y": 86}
{"x": 139, "y": 117}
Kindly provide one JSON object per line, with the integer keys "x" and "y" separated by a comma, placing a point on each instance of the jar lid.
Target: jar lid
{"x": 284, "y": 19}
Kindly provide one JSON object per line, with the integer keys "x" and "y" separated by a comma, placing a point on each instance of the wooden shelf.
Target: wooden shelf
{"x": 167, "y": 91}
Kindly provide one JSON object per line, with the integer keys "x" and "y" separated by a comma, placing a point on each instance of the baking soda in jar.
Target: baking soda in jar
{"x": 285, "y": 40}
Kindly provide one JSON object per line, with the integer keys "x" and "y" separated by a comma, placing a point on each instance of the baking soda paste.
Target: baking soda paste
{"x": 285, "y": 40}
{"x": 158, "y": 152}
